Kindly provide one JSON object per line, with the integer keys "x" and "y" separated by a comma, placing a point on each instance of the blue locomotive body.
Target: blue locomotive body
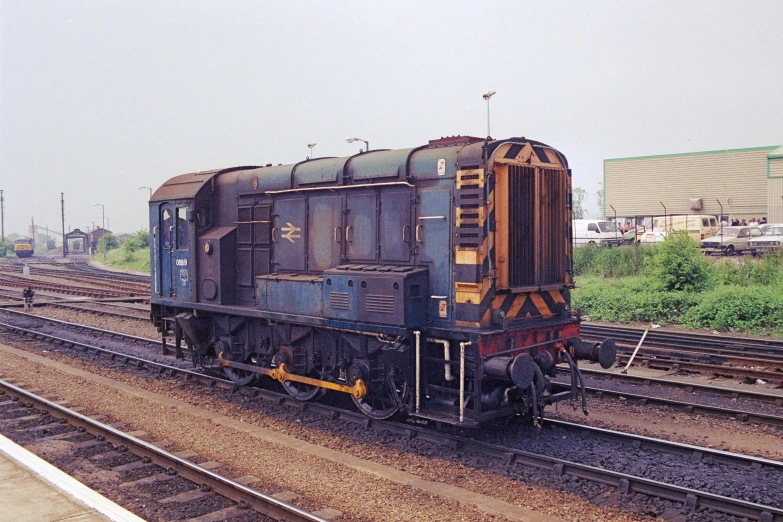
{"x": 432, "y": 281}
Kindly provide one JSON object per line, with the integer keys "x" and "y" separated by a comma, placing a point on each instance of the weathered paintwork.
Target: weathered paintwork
{"x": 403, "y": 269}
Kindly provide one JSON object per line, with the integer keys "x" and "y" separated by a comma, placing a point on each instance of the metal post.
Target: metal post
{"x": 462, "y": 379}
{"x": 2, "y": 218}
{"x": 666, "y": 223}
{"x": 615, "y": 221}
{"x": 625, "y": 370}
{"x": 418, "y": 368}
{"x": 32, "y": 229}
{"x": 62, "y": 209}
{"x": 721, "y": 226}
{"x": 487, "y": 96}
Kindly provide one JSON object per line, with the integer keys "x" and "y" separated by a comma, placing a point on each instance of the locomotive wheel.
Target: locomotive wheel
{"x": 383, "y": 403}
{"x": 242, "y": 377}
{"x": 303, "y": 392}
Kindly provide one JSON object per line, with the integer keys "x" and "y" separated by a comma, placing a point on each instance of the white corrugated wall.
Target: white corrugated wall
{"x": 775, "y": 191}
{"x": 737, "y": 178}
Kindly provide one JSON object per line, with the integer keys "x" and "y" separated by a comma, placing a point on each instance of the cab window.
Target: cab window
{"x": 182, "y": 228}
{"x": 203, "y": 217}
{"x": 166, "y": 228}
{"x": 592, "y": 227}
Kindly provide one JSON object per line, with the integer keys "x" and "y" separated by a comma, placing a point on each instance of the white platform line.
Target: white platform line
{"x": 66, "y": 483}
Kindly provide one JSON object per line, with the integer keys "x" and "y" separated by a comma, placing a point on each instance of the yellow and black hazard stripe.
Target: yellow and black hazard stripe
{"x": 531, "y": 305}
{"x": 472, "y": 289}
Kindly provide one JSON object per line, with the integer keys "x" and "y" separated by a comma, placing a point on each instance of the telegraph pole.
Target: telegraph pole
{"x": 62, "y": 209}
{"x": 2, "y": 218}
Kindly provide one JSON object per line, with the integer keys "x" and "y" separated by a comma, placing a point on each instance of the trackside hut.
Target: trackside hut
{"x": 747, "y": 182}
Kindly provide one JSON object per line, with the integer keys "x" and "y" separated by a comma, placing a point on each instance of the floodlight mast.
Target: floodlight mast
{"x": 487, "y": 96}
{"x": 366, "y": 143}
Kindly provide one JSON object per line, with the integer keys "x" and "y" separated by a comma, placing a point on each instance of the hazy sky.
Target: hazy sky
{"x": 98, "y": 98}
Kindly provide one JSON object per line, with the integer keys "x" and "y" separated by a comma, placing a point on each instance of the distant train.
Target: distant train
{"x": 432, "y": 281}
{"x": 24, "y": 247}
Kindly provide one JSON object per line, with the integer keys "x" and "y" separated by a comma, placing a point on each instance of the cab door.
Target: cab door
{"x": 165, "y": 246}
{"x": 432, "y": 235}
{"x": 183, "y": 266}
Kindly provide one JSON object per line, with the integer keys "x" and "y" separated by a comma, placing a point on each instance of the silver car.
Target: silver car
{"x": 730, "y": 240}
{"x": 771, "y": 242}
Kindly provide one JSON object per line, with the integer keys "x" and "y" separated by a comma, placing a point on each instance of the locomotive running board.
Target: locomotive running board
{"x": 281, "y": 374}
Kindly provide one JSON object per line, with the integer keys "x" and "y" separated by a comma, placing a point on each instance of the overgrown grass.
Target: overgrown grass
{"x": 674, "y": 284}
{"x": 138, "y": 260}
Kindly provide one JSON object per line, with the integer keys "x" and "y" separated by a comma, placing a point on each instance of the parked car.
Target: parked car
{"x": 596, "y": 231}
{"x": 633, "y": 235}
{"x": 730, "y": 240}
{"x": 771, "y": 242}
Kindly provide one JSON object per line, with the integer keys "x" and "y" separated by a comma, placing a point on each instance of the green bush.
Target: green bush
{"x": 108, "y": 242}
{"x": 767, "y": 270}
{"x": 679, "y": 265}
{"x": 626, "y": 300}
{"x": 6, "y": 247}
{"x": 738, "y": 308}
{"x": 137, "y": 242}
{"x": 623, "y": 261}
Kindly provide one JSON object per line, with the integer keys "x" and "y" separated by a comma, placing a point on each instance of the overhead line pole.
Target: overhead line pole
{"x": 62, "y": 209}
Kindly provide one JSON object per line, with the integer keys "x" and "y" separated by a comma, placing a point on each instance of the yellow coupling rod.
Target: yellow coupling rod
{"x": 281, "y": 374}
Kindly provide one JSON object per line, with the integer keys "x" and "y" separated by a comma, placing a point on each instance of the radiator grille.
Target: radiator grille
{"x": 537, "y": 226}
{"x": 380, "y": 304}
{"x": 521, "y": 225}
{"x": 339, "y": 301}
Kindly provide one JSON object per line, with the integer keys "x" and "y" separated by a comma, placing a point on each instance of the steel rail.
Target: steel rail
{"x": 625, "y": 483}
{"x": 687, "y": 407}
{"x": 689, "y": 387}
{"x": 19, "y": 282}
{"x": 266, "y": 504}
{"x": 105, "y": 280}
{"x": 730, "y": 371}
{"x": 81, "y": 327}
{"x": 691, "y": 355}
{"x": 687, "y": 339}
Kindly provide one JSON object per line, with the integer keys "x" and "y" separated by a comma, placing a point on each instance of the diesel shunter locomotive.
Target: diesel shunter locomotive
{"x": 432, "y": 281}
{"x": 24, "y": 247}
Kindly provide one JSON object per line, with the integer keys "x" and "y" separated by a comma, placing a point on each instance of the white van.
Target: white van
{"x": 699, "y": 226}
{"x": 596, "y": 231}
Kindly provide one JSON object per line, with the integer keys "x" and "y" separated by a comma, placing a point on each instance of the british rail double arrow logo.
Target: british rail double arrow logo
{"x": 291, "y": 232}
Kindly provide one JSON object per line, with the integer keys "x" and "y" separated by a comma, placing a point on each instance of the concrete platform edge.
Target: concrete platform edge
{"x": 66, "y": 483}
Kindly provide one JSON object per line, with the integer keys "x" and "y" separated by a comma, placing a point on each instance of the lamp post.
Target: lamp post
{"x": 311, "y": 146}
{"x": 366, "y": 143}
{"x": 103, "y": 227}
{"x": 487, "y": 96}
{"x": 148, "y": 188}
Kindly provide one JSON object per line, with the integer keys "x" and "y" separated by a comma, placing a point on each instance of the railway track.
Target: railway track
{"x": 745, "y": 358}
{"x": 88, "y": 307}
{"x": 719, "y": 346}
{"x": 626, "y": 483}
{"x": 21, "y": 282}
{"x": 111, "y": 443}
{"x": 686, "y": 386}
{"x": 690, "y": 406}
{"x": 109, "y": 280}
